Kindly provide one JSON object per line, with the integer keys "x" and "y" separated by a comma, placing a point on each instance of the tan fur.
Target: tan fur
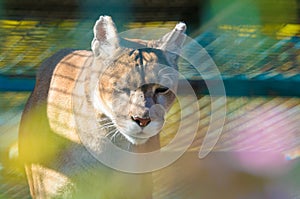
{"x": 59, "y": 102}
{"x": 57, "y": 163}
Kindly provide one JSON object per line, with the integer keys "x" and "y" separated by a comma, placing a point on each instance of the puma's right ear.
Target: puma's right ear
{"x": 172, "y": 42}
{"x": 106, "y": 39}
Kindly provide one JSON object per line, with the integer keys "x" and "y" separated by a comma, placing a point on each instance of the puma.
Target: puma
{"x": 128, "y": 89}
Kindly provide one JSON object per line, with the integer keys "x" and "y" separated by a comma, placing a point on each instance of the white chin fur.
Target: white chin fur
{"x": 136, "y": 141}
{"x": 133, "y": 135}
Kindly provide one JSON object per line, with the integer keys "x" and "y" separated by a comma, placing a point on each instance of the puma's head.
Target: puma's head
{"x": 137, "y": 86}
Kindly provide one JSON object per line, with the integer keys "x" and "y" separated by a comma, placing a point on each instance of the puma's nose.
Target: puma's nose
{"x": 142, "y": 122}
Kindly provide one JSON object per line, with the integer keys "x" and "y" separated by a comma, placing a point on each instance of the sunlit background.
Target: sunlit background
{"x": 254, "y": 43}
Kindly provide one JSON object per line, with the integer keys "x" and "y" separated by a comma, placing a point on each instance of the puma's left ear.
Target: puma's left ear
{"x": 106, "y": 39}
{"x": 173, "y": 41}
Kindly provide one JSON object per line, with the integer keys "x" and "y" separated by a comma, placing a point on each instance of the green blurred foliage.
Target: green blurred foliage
{"x": 251, "y": 12}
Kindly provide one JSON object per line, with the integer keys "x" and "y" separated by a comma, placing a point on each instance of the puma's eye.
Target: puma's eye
{"x": 126, "y": 90}
{"x": 123, "y": 90}
{"x": 161, "y": 90}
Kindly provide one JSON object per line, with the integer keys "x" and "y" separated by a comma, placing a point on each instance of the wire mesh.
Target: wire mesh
{"x": 268, "y": 50}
